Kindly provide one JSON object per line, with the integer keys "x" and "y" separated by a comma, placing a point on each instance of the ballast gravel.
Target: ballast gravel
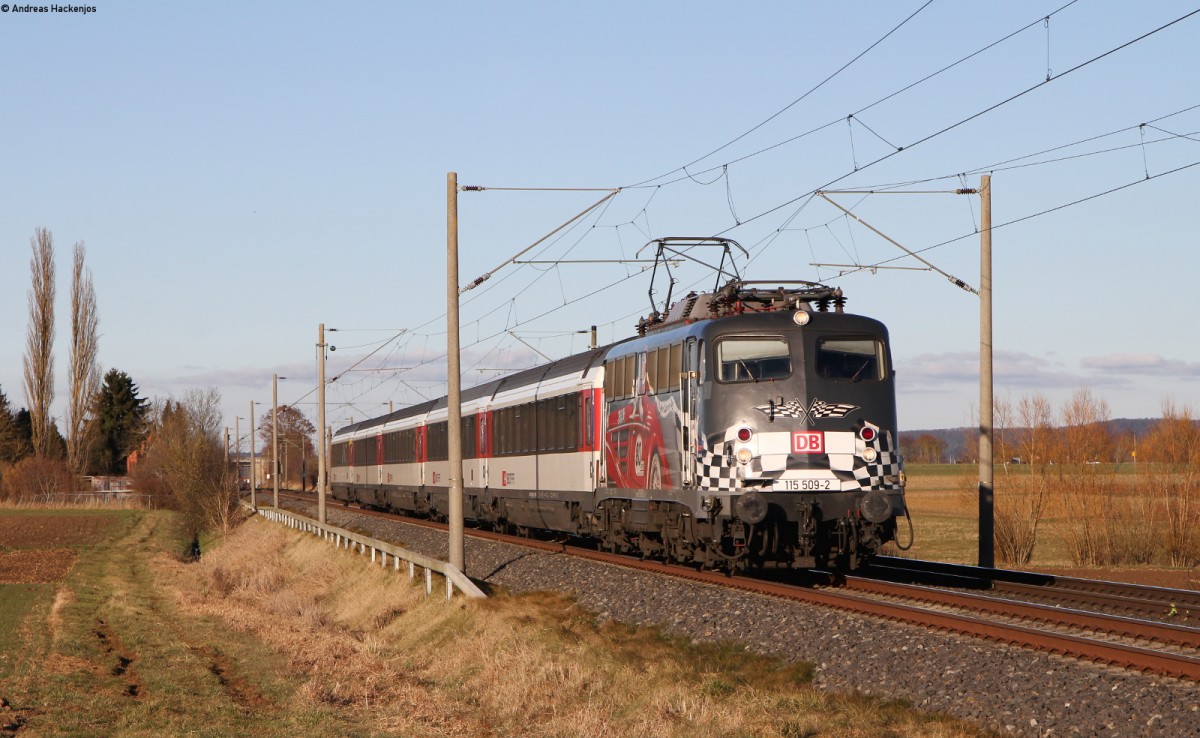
{"x": 1012, "y": 690}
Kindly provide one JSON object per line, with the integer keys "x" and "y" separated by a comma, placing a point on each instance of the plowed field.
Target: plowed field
{"x": 36, "y": 566}
{"x": 50, "y": 531}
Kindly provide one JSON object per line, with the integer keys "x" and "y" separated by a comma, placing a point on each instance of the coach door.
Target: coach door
{"x": 690, "y": 386}
{"x": 379, "y": 458}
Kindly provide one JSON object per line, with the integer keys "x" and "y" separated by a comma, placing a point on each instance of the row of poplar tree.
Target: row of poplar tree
{"x": 105, "y": 418}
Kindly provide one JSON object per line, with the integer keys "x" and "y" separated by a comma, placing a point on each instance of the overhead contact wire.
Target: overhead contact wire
{"x": 793, "y": 103}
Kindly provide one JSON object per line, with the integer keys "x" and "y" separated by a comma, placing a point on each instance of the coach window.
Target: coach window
{"x": 439, "y": 441}
{"x": 614, "y": 379}
{"x": 410, "y": 446}
{"x": 523, "y": 417}
{"x": 853, "y": 358}
{"x": 542, "y": 436}
{"x": 589, "y": 418}
{"x": 467, "y": 439}
{"x": 753, "y": 359}
{"x": 500, "y": 432}
{"x": 665, "y": 381}
{"x": 363, "y": 453}
{"x": 676, "y": 366}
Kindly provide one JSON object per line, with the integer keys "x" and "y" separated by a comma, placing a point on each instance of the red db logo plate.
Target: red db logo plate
{"x": 808, "y": 442}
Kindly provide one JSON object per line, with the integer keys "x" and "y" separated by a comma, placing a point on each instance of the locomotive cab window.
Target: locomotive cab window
{"x": 753, "y": 359}
{"x": 856, "y": 358}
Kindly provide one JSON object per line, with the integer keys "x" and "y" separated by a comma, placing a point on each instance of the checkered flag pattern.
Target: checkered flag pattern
{"x": 817, "y": 410}
{"x": 822, "y": 409}
{"x": 793, "y": 409}
{"x": 886, "y": 463}
{"x": 715, "y": 472}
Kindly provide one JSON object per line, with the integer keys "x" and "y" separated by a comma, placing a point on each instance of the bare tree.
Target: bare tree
{"x": 295, "y": 442}
{"x": 186, "y": 457}
{"x": 1037, "y": 441}
{"x": 39, "y": 341}
{"x": 1085, "y": 428}
{"x": 84, "y": 369}
{"x": 1002, "y": 429}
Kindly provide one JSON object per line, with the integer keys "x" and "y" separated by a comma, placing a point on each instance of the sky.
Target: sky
{"x": 242, "y": 173}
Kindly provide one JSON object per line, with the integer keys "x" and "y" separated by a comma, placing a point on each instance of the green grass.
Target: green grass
{"x": 17, "y": 601}
{"x": 123, "y": 661}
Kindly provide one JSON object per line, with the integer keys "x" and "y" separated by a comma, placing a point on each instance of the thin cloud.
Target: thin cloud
{"x": 940, "y": 373}
{"x": 1141, "y": 365}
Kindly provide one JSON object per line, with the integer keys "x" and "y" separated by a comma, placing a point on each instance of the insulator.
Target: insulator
{"x": 823, "y": 305}
{"x": 839, "y": 303}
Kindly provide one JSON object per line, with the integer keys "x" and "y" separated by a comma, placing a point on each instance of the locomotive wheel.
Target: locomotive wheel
{"x": 654, "y": 472}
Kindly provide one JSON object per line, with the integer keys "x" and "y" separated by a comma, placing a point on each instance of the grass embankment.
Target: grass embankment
{"x": 274, "y": 634}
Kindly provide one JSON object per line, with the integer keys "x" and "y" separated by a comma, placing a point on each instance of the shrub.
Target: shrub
{"x": 185, "y": 462}
{"x": 36, "y": 478}
{"x": 1020, "y": 505}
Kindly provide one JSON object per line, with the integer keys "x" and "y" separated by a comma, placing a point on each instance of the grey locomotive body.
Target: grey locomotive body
{"x": 744, "y": 427}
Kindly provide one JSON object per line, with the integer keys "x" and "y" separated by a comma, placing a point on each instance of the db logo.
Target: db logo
{"x": 808, "y": 442}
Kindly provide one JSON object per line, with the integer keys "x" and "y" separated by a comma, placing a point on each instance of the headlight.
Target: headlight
{"x": 869, "y": 454}
{"x": 875, "y": 506}
{"x": 751, "y": 507}
{"x": 744, "y": 455}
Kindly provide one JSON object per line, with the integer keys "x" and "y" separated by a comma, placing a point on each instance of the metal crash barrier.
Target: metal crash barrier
{"x": 379, "y": 551}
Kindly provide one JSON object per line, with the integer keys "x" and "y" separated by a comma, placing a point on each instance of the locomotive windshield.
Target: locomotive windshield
{"x": 753, "y": 359}
{"x": 856, "y": 358}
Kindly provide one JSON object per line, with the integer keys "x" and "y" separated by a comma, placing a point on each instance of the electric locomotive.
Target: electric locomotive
{"x": 740, "y": 427}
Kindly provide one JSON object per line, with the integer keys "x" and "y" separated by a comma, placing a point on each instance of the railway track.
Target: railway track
{"x": 1135, "y": 600}
{"x": 1084, "y": 630}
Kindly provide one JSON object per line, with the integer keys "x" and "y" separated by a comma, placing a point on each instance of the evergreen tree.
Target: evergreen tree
{"x": 23, "y": 422}
{"x": 121, "y": 417}
{"x": 14, "y": 441}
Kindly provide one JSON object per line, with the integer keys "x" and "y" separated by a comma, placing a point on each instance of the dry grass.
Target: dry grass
{"x": 1068, "y": 516}
{"x": 87, "y": 502}
{"x": 368, "y": 640}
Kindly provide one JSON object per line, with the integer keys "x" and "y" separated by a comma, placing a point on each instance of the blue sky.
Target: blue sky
{"x": 242, "y": 172}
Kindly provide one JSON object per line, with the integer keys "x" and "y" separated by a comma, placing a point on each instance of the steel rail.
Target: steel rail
{"x": 1180, "y": 605}
{"x": 1177, "y": 635}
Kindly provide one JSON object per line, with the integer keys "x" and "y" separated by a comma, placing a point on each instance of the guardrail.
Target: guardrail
{"x": 379, "y": 550}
